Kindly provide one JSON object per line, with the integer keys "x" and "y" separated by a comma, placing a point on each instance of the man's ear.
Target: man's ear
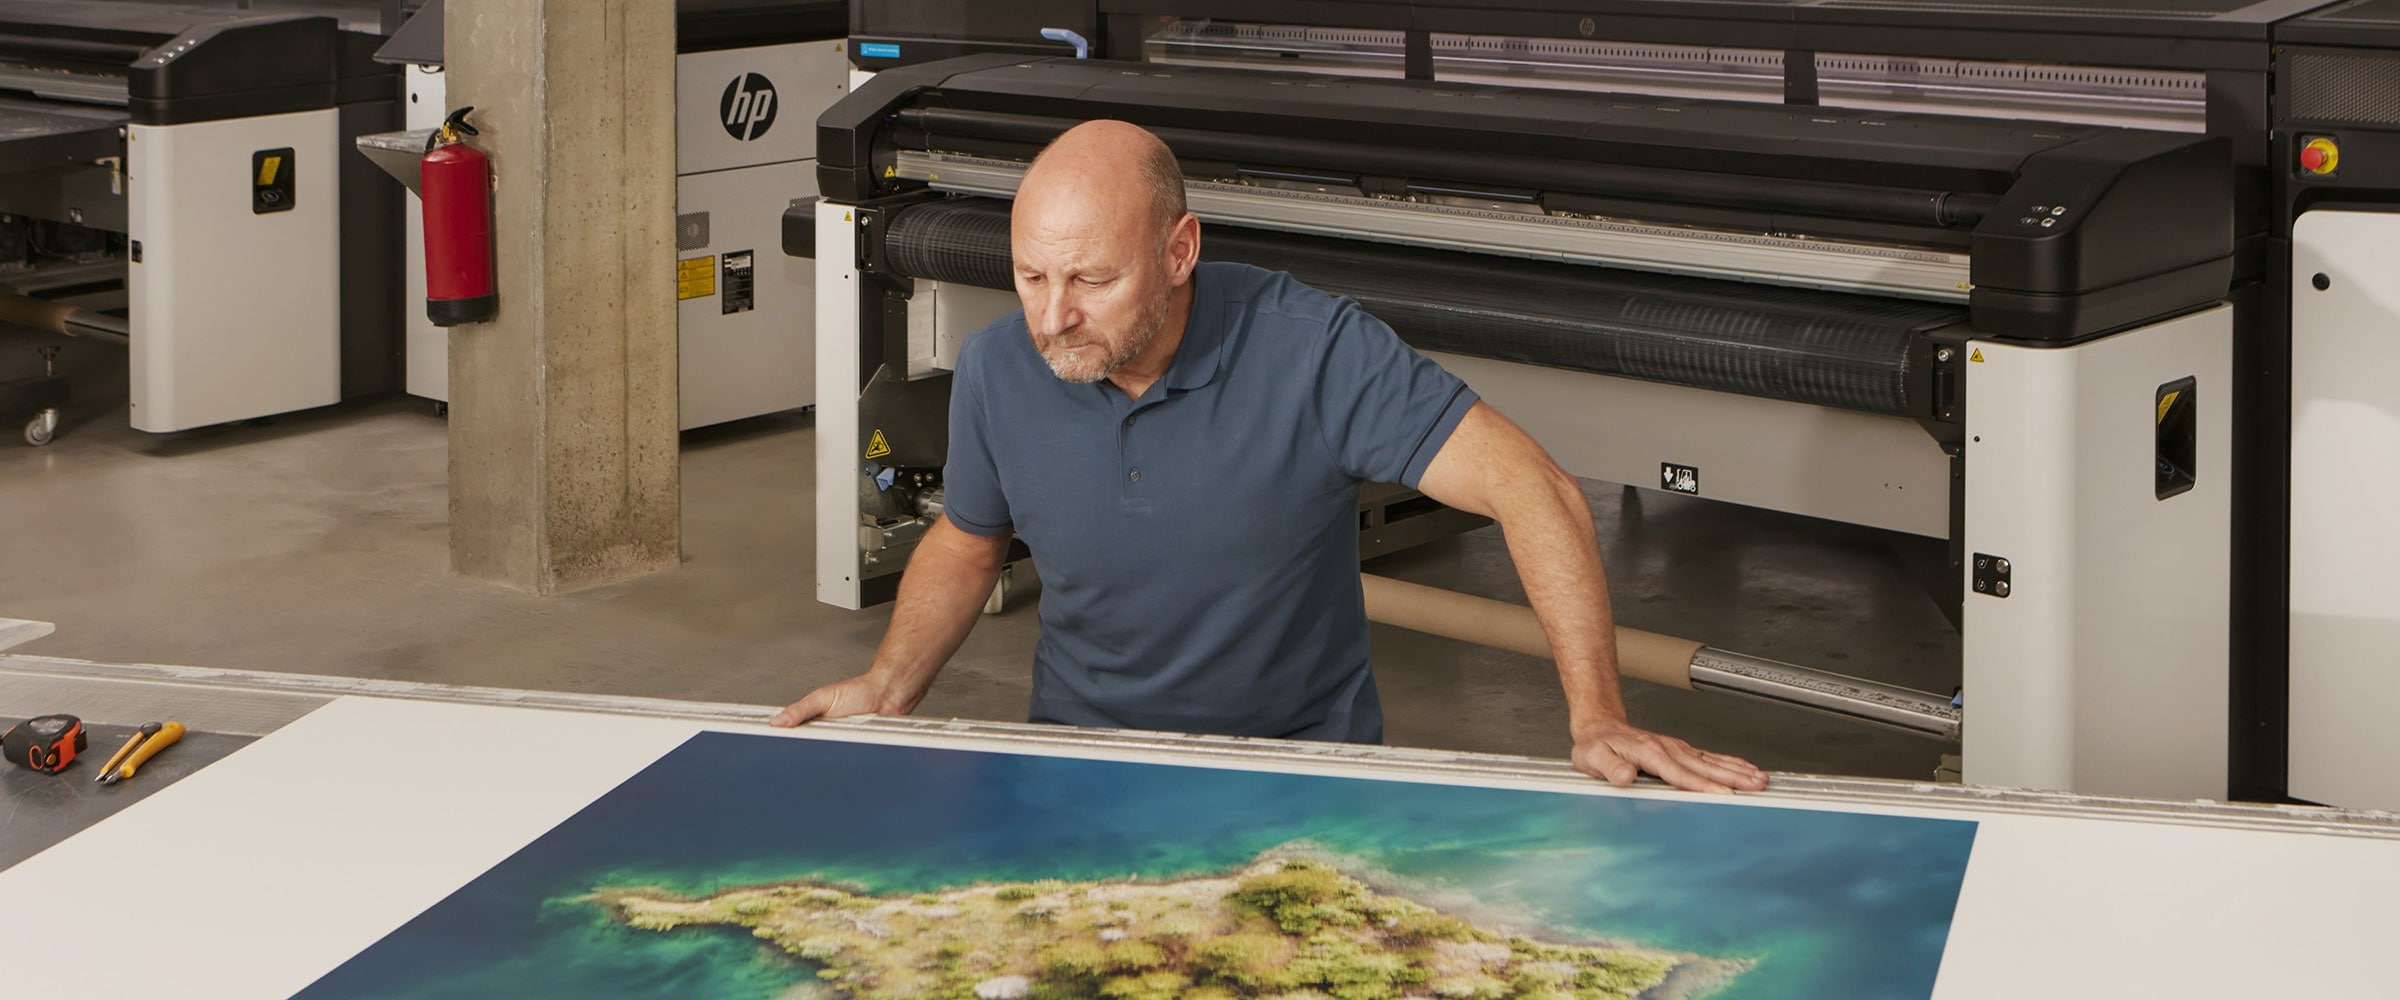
{"x": 1183, "y": 247}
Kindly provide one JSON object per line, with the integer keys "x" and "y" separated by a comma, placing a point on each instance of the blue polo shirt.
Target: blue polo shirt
{"x": 1198, "y": 547}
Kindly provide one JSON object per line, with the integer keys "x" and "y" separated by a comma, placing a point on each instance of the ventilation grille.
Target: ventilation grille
{"x": 2350, "y": 89}
{"x": 1898, "y": 70}
{"x": 691, "y": 231}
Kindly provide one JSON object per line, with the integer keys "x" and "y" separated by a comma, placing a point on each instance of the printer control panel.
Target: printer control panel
{"x": 2043, "y": 216}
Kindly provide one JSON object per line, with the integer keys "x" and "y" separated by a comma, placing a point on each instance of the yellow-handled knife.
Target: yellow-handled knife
{"x": 165, "y": 737}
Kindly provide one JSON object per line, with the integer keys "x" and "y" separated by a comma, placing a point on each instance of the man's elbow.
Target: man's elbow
{"x": 1535, "y": 488}
{"x": 1563, "y": 485}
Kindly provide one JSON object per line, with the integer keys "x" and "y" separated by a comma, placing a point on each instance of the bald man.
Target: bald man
{"x": 1181, "y": 445}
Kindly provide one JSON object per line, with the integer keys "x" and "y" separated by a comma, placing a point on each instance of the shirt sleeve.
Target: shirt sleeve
{"x": 971, "y": 495}
{"x": 1385, "y": 409}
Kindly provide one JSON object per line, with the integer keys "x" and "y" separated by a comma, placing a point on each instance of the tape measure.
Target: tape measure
{"x": 45, "y": 743}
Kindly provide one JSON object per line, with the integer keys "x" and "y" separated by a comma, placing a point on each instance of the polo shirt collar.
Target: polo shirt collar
{"x": 1200, "y": 354}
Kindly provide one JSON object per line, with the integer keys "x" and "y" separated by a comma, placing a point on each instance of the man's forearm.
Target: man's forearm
{"x": 1491, "y": 467}
{"x": 1549, "y": 530}
{"x": 947, "y": 582}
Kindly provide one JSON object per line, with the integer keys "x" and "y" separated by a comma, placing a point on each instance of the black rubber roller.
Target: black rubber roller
{"x": 1804, "y": 346}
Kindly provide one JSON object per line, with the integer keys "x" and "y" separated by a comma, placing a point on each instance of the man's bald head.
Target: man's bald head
{"x": 1114, "y": 157}
{"x": 1103, "y": 251}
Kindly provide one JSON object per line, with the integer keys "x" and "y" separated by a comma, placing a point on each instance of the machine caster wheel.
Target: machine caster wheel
{"x": 42, "y": 429}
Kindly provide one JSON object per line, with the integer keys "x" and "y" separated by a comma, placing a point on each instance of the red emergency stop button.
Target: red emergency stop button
{"x": 2319, "y": 156}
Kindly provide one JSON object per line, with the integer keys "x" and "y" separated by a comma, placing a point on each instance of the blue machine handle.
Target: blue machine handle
{"x": 1083, "y": 49}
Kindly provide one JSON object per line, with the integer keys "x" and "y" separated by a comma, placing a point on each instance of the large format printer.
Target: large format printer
{"x": 750, "y": 78}
{"x": 2010, "y": 336}
{"x": 181, "y": 176}
{"x": 2310, "y": 707}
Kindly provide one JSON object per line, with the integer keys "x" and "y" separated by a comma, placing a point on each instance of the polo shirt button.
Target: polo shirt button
{"x": 1136, "y": 475}
{"x": 1128, "y": 421}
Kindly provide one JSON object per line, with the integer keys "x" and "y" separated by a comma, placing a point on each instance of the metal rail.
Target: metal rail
{"x": 1904, "y": 272}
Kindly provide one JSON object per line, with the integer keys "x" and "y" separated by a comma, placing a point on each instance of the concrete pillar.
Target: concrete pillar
{"x": 563, "y": 451}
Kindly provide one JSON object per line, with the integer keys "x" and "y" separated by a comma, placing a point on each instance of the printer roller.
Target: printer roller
{"x": 1800, "y": 345}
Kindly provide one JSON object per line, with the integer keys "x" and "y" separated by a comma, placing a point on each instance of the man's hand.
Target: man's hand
{"x": 865, "y": 694}
{"x": 949, "y": 576}
{"x": 1619, "y": 752}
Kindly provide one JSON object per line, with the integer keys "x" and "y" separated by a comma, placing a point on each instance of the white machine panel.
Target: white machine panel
{"x": 941, "y": 316}
{"x": 940, "y": 319}
{"x": 743, "y": 333}
{"x": 428, "y": 355}
{"x": 2345, "y": 484}
{"x": 2103, "y": 670}
{"x": 235, "y": 314}
{"x": 1862, "y": 468}
{"x": 743, "y": 107}
{"x": 837, "y": 422}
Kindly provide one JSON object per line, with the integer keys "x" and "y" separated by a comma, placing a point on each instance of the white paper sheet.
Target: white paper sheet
{"x": 259, "y": 874}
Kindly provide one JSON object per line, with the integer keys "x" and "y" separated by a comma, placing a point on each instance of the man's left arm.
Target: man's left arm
{"x": 1491, "y": 467}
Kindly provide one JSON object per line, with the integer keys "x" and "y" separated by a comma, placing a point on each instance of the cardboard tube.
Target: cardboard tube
{"x": 65, "y": 320}
{"x": 1648, "y": 656}
{"x": 48, "y": 317}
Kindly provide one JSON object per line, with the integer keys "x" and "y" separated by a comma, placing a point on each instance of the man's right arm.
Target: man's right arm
{"x": 948, "y": 579}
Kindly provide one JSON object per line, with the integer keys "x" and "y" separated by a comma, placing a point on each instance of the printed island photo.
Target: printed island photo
{"x": 1284, "y": 928}
{"x": 757, "y": 867}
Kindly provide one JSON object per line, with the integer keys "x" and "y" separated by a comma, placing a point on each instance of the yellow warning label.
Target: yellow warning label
{"x": 695, "y": 278}
{"x": 267, "y": 169}
{"x": 2167, "y": 402}
{"x": 1976, "y": 357}
{"x": 877, "y": 447}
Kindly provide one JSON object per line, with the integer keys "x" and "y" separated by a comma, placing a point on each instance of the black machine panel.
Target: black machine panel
{"x": 2181, "y": 34}
{"x": 700, "y": 26}
{"x": 968, "y": 20}
{"x": 186, "y": 63}
{"x": 709, "y": 25}
{"x": 2339, "y": 68}
{"x": 2132, "y": 225}
{"x": 905, "y": 32}
{"x": 34, "y": 137}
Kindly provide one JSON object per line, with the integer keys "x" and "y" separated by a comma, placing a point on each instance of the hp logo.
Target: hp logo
{"x": 748, "y": 109}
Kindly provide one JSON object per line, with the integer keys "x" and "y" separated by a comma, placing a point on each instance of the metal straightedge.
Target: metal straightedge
{"x": 255, "y": 703}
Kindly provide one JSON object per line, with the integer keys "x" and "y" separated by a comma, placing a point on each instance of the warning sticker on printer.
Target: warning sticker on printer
{"x": 1679, "y": 478}
{"x": 878, "y": 446}
{"x": 737, "y": 282}
{"x": 695, "y": 278}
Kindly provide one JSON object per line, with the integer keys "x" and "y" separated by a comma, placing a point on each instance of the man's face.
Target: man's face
{"x": 1095, "y": 286}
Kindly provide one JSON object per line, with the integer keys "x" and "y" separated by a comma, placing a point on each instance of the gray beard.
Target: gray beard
{"x": 1060, "y": 362}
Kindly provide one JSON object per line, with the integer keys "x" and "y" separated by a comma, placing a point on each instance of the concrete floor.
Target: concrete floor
{"x": 315, "y": 543}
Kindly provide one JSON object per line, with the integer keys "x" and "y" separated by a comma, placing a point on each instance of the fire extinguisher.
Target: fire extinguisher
{"x": 457, "y": 190}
